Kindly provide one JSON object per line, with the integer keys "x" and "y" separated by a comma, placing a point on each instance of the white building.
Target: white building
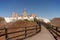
{"x": 16, "y": 17}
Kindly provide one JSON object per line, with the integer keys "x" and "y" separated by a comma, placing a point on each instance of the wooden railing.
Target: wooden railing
{"x": 54, "y": 31}
{"x": 36, "y": 28}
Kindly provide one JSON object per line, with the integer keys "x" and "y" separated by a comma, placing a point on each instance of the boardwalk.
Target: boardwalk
{"x": 43, "y": 35}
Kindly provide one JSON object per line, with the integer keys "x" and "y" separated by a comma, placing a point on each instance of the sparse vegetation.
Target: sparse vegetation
{"x": 1, "y": 19}
{"x": 2, "y": 22}
{"x": 22, "y": 23}
{"x": 16, "y": 26}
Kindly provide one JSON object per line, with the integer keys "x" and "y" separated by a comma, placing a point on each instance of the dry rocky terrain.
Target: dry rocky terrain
{"x": 16, "y": 26}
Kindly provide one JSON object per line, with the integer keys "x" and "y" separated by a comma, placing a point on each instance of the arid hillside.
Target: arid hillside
{"x": 22, "y": 23}
{"x": 1, "y": 19}
{"x": 55, "y": 22}
{"x": 2, "y": 22}
{"x": 16, "y": 26}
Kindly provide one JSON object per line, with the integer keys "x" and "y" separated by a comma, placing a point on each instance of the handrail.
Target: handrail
{"x": 53, "y": 31}
{"x": 17, "y": 31}
{"x": 25, "y": 34}
{"x": 52, "y": 34}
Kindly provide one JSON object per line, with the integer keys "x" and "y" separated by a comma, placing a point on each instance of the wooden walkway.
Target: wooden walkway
{"x": 43, "y": 35}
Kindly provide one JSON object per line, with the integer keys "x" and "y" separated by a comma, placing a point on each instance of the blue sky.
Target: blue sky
{"x": 44, "y": 8}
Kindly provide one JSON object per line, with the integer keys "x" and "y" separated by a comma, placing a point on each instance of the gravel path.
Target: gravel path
{"x": 43, "y": 35}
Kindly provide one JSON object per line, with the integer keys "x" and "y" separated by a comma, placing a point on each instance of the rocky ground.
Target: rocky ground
{"x": 16, "y": 26}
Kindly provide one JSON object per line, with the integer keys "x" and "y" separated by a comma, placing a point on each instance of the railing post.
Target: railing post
{"x": 40, "y": 26}
{"x": 25, "y": 32}
{"x": 6, "y": 35}
{"x": 56, "y": 28}
{"x": 36, "y": 29}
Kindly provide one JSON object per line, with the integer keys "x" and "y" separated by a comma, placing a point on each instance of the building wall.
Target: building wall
{"x": 14, "y": 15}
